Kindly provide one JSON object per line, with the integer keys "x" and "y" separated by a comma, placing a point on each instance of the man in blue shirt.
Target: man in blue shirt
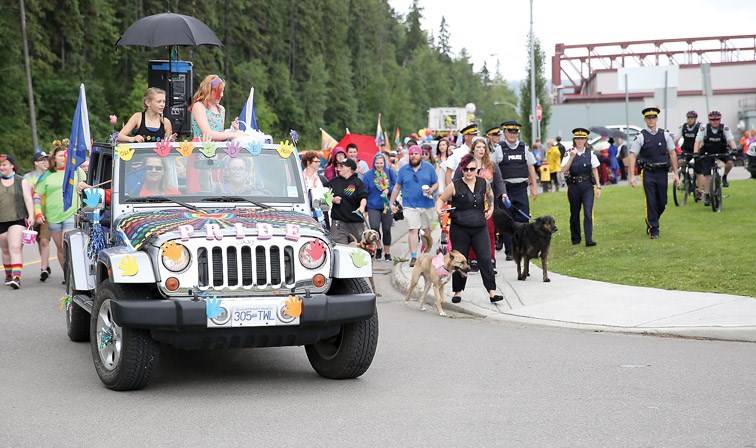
{"x": 416, "y": 181}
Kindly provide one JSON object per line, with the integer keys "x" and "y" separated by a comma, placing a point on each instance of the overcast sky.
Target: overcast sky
{"x": 492, "y": 29}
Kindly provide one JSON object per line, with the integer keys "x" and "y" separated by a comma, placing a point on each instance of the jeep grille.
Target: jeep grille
{"x": 223, "y": 266}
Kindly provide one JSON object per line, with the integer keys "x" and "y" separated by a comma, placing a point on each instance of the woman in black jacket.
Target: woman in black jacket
{"x": 472, "y": 200}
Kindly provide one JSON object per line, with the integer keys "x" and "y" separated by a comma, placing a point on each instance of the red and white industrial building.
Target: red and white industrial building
{"x": 588, "y": 82}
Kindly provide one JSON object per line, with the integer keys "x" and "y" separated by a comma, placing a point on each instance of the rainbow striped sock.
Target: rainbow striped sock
{"x": 16, "y": 270}
{"x": 8, "y": 272}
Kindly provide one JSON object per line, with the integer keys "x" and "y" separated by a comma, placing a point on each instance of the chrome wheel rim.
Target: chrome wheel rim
{"x": 109, "y": 337}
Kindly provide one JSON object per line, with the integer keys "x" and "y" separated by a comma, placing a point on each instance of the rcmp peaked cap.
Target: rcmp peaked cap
{"x": 511, "y": 125}
{"x": 580, "y": 132}
{"x": 469, "y": 129}
{"x": 494, "y": 131}
{"x": 651, "y": 111}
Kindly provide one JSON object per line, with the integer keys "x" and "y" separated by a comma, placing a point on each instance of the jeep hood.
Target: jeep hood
{"x": 139, "y": 228}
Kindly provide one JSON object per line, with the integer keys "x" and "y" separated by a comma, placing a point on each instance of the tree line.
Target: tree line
{"x": 333, "y": 64}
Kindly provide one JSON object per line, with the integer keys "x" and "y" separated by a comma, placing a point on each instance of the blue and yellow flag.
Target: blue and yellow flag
{"x": 79, "y": 147}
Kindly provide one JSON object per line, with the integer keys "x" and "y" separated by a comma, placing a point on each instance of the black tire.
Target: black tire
{"x": 687, "y": 187}
{"x": 349, "y": 353}
{"x": 127, "y": 366}
{"x": 77, "y": 320}
{"x": 716, "y": 193}
{"x": 677, "y": 193}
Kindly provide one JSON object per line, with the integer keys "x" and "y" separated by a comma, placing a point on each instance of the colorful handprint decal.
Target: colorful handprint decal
{"x": 233, "y": 149}
{"x": 185, "y": 148}
{"x": 293, "y": 306}
{"x": 124, "y": 152}
{"x": 128, "y": 266}
{"x": 163, "y": 148}
{"x": 285, "y": 149}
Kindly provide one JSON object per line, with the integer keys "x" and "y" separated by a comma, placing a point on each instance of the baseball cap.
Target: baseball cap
{"x": 39, "y": 156}
{"x": 350, "y": 163}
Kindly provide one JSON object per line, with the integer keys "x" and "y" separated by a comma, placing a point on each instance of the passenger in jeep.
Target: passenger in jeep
{"x": 157, "y": 182}
{"x": 238, "y": 177}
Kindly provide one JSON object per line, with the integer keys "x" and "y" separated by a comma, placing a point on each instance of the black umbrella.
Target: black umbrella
{"x": 168, "y": 29}
{"x": 600, "y": 130}
{"x": 608, "y": 132}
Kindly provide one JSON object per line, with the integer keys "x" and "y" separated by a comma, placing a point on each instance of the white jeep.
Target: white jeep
{"x": 206, "y": 247}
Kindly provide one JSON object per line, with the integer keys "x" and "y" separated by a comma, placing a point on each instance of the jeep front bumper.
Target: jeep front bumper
{"x": 177, "y": 315}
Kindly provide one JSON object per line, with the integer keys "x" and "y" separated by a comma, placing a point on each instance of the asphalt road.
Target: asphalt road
{"x": 457, "y": 381}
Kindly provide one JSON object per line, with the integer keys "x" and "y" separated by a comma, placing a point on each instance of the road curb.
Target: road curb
{"x": 400, "y": 281}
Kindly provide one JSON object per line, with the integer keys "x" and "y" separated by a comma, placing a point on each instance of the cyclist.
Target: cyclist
{"x": 713, "y": 138}
{"x": 687, "y": 133}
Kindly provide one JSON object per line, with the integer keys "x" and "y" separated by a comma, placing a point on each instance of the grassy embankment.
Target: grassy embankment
{"x": 698, "y": 250}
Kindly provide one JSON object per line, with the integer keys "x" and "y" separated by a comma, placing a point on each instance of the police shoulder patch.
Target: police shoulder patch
{"x": 703, "y": 127}
{"x": 726, "y": 128}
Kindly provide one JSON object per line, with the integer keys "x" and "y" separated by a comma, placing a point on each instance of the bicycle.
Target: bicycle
{"x": 687, "y": 185}
{"x": 715, "y": 186}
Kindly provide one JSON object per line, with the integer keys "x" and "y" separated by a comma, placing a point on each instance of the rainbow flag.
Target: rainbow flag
{"x": 397, "y": 138}
{"x": 379, "y": 133}
{"x": 326, "y": 141}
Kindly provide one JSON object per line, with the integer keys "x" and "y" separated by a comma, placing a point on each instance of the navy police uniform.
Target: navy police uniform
{"x": 653, "y": 151}
{"x": 580, "y": 190}
{"x": 514, "y": 170}
{"x": 715, "y": 141}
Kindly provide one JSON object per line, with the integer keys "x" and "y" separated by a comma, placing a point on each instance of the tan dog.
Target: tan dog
{"x": 436, "y": 270}
{"x": 369, "y": 242}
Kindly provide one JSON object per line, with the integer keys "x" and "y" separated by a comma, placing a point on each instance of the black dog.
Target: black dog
{"x": 531, "y": 240}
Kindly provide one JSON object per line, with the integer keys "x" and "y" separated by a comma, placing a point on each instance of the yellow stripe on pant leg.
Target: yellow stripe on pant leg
{"x": 645, "y": 203}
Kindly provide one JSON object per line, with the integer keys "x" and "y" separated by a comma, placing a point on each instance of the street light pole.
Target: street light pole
{"x": 532, "y": 80}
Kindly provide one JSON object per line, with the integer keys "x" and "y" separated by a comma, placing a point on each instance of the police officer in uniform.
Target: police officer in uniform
{"x": 581, "y": 165}
{"x": 713, "y": 138}
{"x": 655, "y": 151}
{"x": 687, "y": 133}
{"x": 493, "y": 136}
{"x": 517, "y": 168}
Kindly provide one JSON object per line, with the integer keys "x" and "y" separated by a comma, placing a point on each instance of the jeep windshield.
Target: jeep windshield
{"x": 209, "y": 176}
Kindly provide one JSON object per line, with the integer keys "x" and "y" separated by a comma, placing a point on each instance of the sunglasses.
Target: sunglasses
{"x": 512, "y": 131}
{"x": 470, "y": 169}
{"x": 715, "y": 119}
{"x": 426, "y": 153}
{"x": 153, "y": 168}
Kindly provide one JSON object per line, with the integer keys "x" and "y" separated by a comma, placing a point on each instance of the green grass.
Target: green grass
{"x": 698, "y": 250}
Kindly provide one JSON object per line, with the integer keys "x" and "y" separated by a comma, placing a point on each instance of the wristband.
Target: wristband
{"x": 39, "y": 216}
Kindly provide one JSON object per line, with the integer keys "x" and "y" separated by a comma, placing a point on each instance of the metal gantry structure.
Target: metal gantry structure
{"x": 574, "y": 66}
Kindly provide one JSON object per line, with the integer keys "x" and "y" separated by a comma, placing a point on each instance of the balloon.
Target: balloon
{"x": 421, "y": 132}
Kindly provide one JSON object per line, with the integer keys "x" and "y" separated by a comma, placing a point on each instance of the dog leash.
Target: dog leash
{"x": 508, "y": 204}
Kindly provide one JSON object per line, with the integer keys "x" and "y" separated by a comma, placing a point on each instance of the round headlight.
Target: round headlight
{"x": 175, "y": 259}
{"x": 313, "y": 254}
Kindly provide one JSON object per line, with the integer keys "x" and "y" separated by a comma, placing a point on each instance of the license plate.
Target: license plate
{"x": 252, "y": 312}
{"x": 253, "y": 316}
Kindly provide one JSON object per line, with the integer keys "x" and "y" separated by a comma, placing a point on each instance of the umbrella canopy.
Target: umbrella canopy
{"x": 167, "y": 29}
{"x": 608, "y": 132}
{"x": 366, "y": 147}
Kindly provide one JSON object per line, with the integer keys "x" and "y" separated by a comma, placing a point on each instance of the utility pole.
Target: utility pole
{"x": 29, "y": 87}
{"x": 533, "y": 129}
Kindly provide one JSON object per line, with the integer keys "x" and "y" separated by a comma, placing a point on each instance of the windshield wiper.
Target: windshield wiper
{"x": 234, "y": 199}
{"x": 163, "y": 199}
